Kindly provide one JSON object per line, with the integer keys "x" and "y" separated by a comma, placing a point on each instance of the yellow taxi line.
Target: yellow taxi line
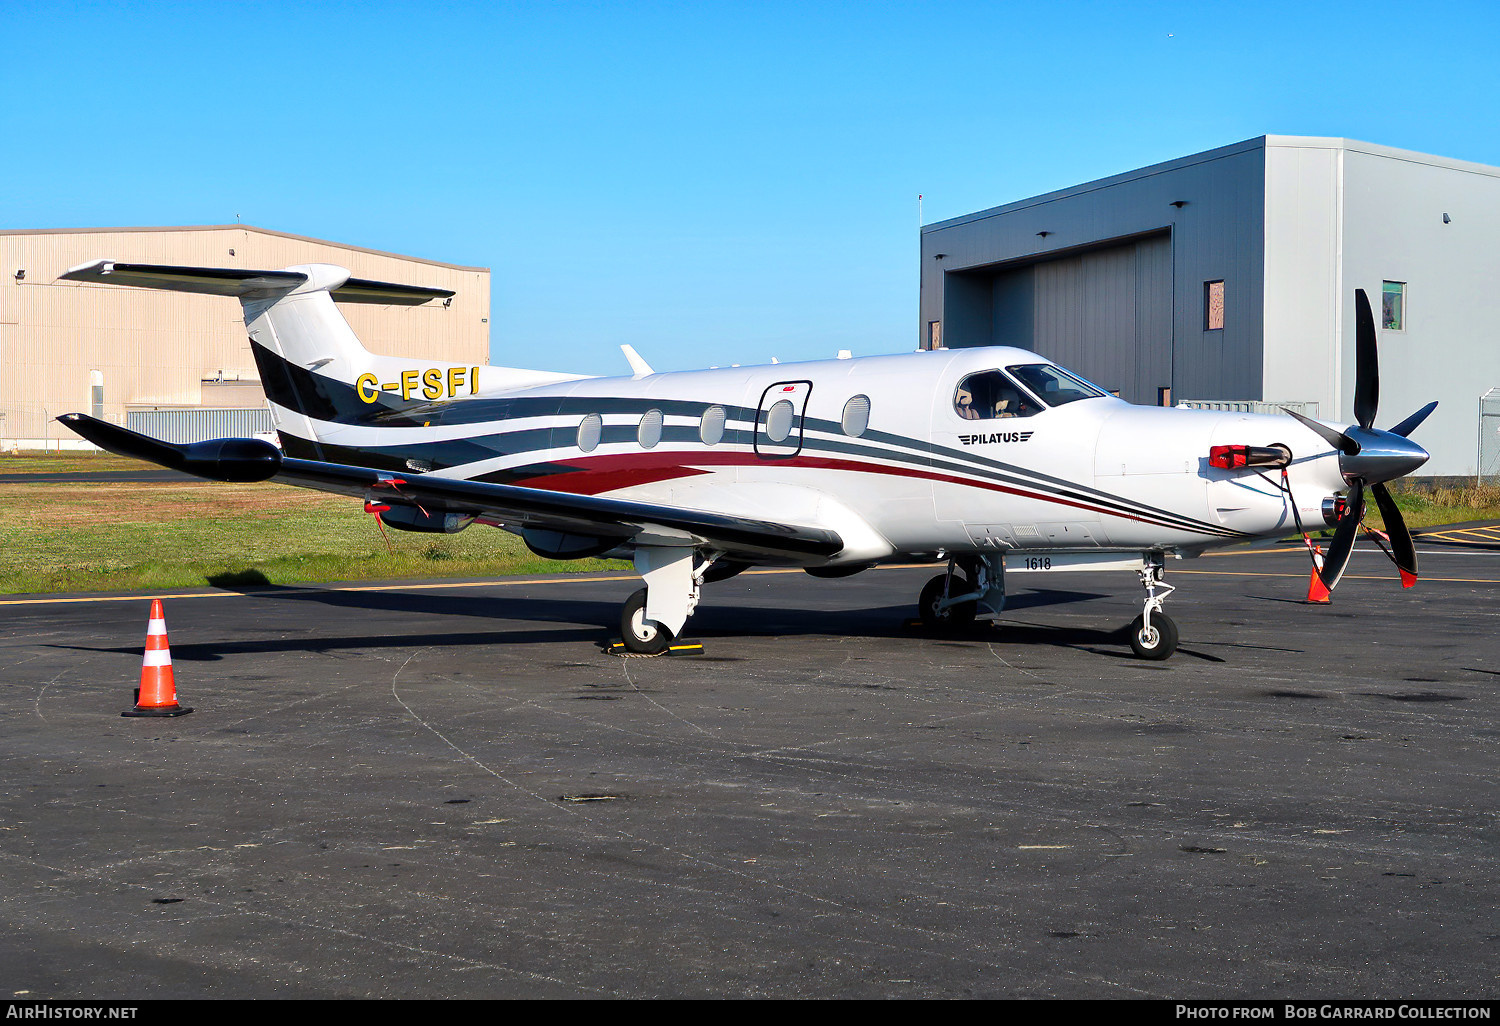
{"x": 1346, "y": 577}
{"x": 625, "y": 575}
{"x": 498, "y": 582}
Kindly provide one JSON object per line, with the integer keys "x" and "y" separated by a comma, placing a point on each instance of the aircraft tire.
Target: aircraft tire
{"x": 953, "y": 617}
{"x": 639, "y": 635}
{"x": 1161, "y": 641}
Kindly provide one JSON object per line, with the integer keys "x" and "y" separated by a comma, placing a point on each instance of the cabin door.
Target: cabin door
{"x": 778, "y": 422}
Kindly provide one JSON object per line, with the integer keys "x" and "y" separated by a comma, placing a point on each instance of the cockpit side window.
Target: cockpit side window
{"x": 990, "y": 395}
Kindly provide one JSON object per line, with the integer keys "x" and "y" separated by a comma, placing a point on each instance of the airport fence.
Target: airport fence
{"x": 1489, "y": 437}
{"x": 1307, "y": 409}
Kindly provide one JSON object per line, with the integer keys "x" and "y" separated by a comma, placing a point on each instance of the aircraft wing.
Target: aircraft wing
{"x": 249, "y": 459}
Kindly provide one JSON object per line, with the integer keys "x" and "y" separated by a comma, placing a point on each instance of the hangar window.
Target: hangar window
{"x": 990, "y": 395}
{"x": 779, "y": 420}
{"x": 589, "y": 432}
{"x": 1213, "y": 306}
{"x": 1393, "y": 305}
{"x": 649, "y": 433}
{"x": 856, "y": 416}
{"x": 711, "y": 427}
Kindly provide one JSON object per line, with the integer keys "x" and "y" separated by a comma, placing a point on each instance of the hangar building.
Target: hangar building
{"x": 176, "y": 365}
{"x": 1227, "y": 279}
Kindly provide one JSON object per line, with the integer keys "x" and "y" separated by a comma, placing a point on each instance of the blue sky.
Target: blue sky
{"x": 712, "y": 183}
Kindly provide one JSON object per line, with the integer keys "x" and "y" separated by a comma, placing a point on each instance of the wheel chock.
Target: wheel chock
{"x": 676, "y": 648}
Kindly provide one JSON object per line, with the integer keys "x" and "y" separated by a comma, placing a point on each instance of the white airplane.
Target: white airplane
{"x": 993, "y": 459}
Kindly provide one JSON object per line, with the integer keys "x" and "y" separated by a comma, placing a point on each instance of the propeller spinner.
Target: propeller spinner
{"x": 1368, "y": 457}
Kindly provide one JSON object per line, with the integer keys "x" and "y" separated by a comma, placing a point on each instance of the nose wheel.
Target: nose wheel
{"x": 1156, "y": 640}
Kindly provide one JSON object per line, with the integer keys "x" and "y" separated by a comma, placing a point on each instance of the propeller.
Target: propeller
{"x": 1368, "y": 457}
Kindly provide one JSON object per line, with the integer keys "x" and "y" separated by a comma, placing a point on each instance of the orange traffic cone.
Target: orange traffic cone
{"x": 1317, "y": 592}
{"x": 157, "y": 695}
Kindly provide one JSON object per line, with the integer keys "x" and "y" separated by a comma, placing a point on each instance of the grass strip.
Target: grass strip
{"x": 159, "y": 535}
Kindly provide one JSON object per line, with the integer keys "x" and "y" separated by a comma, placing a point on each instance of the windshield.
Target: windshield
{"x": 1053, "y": 385}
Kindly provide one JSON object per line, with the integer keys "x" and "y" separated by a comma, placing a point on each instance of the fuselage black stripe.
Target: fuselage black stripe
{"x": 325, "y": 398}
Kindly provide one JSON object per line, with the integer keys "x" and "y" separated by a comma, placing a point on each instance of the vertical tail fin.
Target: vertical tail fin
{"x": 314, "y": 370}
{"x": 309, "y": 359}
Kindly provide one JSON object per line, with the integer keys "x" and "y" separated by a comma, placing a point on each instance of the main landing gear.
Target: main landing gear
{"x": 651, "y": 618}
{"x": 973, "y": 588}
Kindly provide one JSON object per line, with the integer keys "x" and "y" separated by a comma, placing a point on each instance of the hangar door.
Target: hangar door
{"x": 1106, "y": 313}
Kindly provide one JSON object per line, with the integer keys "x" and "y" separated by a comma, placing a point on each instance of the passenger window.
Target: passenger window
{"x": 649, "y": 433}
{"x": 989, "y": 395}
{"x": 780, "y": 419}
{"x": 856, "y": 416}
{"x": 711, "y": 427}
{"x": 590, "y": 429}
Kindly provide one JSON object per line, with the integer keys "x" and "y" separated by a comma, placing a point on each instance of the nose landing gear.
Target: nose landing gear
{"x": 1153, "y": 634}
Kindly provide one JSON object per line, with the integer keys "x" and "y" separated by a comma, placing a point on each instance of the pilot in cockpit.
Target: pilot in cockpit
{"x": 1007, "y": 402}
{"x": 989, "y": 395}
{"x": 963, "y": 402}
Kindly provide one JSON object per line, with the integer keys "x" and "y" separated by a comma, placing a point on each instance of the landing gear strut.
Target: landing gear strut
{"x": 950, "y": 601}
{"x": 1153, "y": 634}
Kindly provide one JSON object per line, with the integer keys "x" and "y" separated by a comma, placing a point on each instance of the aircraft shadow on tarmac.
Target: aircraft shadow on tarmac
{"x": 730, "y": 620}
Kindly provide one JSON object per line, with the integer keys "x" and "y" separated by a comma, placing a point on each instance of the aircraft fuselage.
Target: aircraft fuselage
{"x": 874, "y": 448}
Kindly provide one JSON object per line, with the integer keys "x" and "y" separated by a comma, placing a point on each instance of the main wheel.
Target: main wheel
{"x": 1157, "y": 642}
{"x": 640, "y": 635}
{"x": 960, "y": 615}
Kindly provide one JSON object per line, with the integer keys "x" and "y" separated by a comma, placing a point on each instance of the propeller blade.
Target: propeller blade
{"x": 1332, "y": 435}
{"x": 1366, "y": 362}
{"x": 1410, "y": 424}
{"x": 1402, "y": 549}
{"x": 1343, "y": 538}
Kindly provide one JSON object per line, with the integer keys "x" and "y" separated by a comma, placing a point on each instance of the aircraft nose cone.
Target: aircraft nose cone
{"x": 1382, "y": 456}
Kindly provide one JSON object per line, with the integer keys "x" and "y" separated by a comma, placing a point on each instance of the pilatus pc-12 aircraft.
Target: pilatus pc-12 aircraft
{"x": 994, "y": 460}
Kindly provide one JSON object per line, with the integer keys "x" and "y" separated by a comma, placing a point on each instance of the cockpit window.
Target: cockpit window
{"x": 1053, "y": 385}
{"x": 990, "y": 395}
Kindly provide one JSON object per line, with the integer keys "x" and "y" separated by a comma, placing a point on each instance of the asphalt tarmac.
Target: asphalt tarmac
{"x": 449, "y": 790}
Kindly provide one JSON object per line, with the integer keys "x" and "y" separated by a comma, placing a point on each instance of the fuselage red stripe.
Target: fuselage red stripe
{"x": 595, "y": 475}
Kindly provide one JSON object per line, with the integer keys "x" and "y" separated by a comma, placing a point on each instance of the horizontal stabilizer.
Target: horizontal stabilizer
{"x": 213, "y": 281}
{"x": 234, "y": 281}
{"x": 360, "y": 290}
